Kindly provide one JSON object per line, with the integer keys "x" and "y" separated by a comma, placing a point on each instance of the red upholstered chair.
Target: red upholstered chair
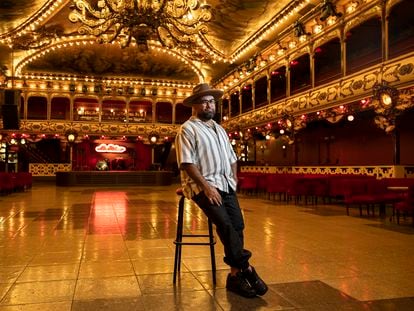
{"x": 406, "y": 207}
{"x": 262, "y": 180}
{"x": 298, "y": 189}
{"x": 248, "y": 183}
{"x": 278, "y": 184}
{"x": 6, "y": 183}
{"x": 356, "y": 194}
{"x": 319, "y": 188}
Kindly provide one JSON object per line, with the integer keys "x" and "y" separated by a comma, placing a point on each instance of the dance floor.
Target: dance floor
{"x": 85, "y": 248}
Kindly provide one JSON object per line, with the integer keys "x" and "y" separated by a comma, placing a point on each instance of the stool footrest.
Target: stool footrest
{"x": 196, "y": 235}
{"x": 194, "y": 243}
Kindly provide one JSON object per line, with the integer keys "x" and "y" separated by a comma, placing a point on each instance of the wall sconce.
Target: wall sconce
{"x": 317, "y": 28}
{"x": 327, "y": 10}
{"x": 153, "y": 138}
{"x": 292, "y": 44}
{"x": 71, "y": 136}
{"x": 387, "y": 96}
{"x": 351, "y": 7}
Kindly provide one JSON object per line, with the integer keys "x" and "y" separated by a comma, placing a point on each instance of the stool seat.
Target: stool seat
{"x": 179, "y": 240}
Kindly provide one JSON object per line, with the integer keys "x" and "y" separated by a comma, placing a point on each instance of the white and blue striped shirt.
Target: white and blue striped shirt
{"x": 206, "y": 145}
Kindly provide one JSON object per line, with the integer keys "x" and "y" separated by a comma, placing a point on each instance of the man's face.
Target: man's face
{"x": 205, "y": 108}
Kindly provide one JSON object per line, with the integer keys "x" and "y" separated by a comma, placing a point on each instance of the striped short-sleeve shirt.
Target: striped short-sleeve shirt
{"x": 207, "y": 146}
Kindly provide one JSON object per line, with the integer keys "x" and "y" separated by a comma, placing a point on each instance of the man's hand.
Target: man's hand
{"x": 213, "y": 195}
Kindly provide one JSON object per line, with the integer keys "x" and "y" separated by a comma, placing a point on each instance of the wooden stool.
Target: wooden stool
{"x": 179, "y": 239}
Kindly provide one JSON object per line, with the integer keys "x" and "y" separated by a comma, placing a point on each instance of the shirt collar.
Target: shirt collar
{"x": 210, "y": 123}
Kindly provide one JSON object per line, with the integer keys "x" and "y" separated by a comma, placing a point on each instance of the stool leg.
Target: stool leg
{"x": 179, "y": 238}
{"x": 212, "y": 253}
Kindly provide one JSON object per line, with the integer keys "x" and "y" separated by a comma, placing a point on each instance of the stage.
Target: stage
{"x": 114, "y": 178}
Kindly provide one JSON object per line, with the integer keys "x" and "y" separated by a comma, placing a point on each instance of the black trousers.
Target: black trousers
{"x": 229, "y": 223}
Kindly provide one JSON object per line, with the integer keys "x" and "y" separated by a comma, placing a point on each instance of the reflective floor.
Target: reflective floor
{"x": 112, "y": 249}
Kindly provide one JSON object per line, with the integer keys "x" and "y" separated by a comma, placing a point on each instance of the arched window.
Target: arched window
{"x": 247, "y": 100}
{"x": 140, "y": 111}
{"x": 278, "y": 84}
{"x": 235, "y": 104}
{"x": 60, "y": 108}
{"x": 401, "y": 29}
{"x": 86, "y": 109}
{"x": 164, "y": 112}
{"x": 327, "y": 59}
{"x": 300, "y": 75}
{"x": 362, "y": 52}
{"x": 37, "y": 108}
{"x": 225, "y": 108}
{"x": 182, "y": 113}
{"x": 114, "y": 110}
{"x": 260, "y": 92}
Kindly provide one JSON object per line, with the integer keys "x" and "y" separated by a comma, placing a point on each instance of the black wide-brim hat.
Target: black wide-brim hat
{"x": 202, "y": 90}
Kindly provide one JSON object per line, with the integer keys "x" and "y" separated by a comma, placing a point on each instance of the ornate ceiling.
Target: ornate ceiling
{"x": 230, "y": 32}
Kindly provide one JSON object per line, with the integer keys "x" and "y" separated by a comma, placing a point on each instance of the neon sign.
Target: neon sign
{"x": 110, "y": 148}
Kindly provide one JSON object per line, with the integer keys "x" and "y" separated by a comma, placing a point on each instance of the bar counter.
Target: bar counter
{"x": 114, "y": 178}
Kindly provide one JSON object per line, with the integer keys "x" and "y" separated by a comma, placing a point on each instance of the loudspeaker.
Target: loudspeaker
{"x": 12, "y": 97}
{"x": 11, "y": 120}
{"x": 10, "y": 110}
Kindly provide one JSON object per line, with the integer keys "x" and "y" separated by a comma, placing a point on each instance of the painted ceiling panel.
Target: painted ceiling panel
{"x": 111, "y": 60}
{"x": 15, "y": 12}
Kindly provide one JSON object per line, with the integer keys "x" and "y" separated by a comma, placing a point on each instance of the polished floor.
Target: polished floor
{"x": 112, "y": 249}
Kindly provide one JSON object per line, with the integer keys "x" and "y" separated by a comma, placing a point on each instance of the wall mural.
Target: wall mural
{"x": 238, "y": 19}
{"x": 14, "y": 12}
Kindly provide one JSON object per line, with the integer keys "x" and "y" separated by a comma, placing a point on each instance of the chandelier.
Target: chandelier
{"x": 173, "y": 23}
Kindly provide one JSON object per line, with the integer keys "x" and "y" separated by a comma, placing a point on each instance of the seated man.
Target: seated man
{"x": 208, "y": 167}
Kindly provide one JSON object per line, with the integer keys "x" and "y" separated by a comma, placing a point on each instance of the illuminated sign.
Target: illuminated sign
{"x": 110, "y": 148}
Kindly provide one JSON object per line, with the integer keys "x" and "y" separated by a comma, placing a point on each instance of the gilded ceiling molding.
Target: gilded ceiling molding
{"x": 300, "y": 52}
{"x": 279, "y": 64}
{"x": 60, "y": 95}
{"x": 389, "y": 4}
{"x": 326, "y": 38}
{"x": 36, "y": 93}
{"x": 362, "y": 17}
{"x": 84, "y": 96}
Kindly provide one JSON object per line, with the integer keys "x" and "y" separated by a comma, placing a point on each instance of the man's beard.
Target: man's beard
{"x": 206, "y": 115}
